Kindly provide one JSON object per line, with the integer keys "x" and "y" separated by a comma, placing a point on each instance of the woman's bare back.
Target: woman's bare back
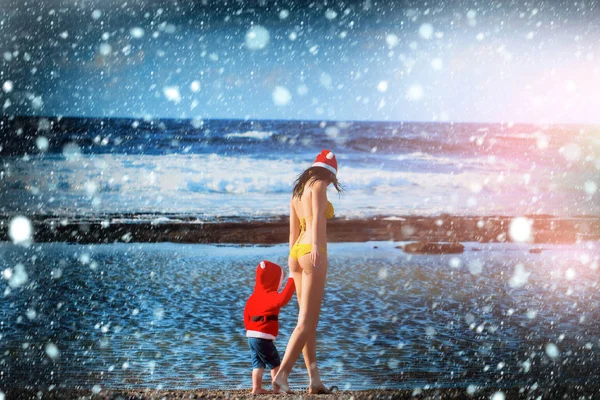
{"x": 303, "y": 208}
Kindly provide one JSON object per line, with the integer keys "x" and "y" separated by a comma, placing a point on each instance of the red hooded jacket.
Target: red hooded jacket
{"x": 262, "y": 307}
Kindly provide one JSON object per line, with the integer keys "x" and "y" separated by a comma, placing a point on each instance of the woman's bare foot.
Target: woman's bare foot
{"x": 281, "y": 385}
{"x": 260, "y": 391}
{"x": 321, "y": 389}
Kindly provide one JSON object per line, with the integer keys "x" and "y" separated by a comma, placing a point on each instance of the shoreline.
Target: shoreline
{"x": 527, "y": 392}
{"x": 546, "y": 229}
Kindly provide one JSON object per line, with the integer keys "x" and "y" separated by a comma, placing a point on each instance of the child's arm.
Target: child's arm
{"x": 286, "y": 294}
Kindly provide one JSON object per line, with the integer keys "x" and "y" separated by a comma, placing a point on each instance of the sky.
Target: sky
{"x": 459, "y": 61}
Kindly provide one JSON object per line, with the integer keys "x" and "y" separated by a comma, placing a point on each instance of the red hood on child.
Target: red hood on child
{"x": 262, "y": 307}
{"x": 269, "y": 277}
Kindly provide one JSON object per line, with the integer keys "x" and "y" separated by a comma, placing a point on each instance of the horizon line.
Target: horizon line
{"x": 306, "y": 120}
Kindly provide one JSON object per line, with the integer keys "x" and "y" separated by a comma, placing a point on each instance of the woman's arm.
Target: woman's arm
{"x": 319, "y": 205}
{"x": 294, "y": 224}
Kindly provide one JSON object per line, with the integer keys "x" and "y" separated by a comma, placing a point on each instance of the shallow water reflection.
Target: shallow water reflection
{"x": 167, "y": 315}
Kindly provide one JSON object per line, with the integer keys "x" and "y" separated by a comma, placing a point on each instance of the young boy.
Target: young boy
{"x": 261, "y": 320}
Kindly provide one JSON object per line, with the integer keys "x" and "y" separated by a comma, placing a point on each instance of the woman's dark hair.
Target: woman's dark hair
{"x": 313, "y": 174}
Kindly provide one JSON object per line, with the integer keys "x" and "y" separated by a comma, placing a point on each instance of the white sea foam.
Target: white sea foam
{"x": 240, "y": 185}
{"x": 437, "y": 159}
{"x": 518, "y": 135}
{"x": 250, "y": 134}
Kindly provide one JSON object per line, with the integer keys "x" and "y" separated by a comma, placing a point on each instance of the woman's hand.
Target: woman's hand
{"x": 316, "y": 257}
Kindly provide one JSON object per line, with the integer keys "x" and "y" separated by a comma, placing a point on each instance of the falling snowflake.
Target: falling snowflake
{"x": 330, "y": 14}
{"x": 391, "y": 40}
{"x": 520, "y": 229}
{"x": 172, "y": 94}
{"x": 20, "y": 229}
{"x": 437, "y": 64}
{"x": 71, "y": 152}
{"x": 281, "y": 96}
{"x": 7, "y": 86}
{"x": 382, "y": 86}
{"x": 136, "y": 32}
{"x": 519, "y": 277}
{"x": 52, "y": 351}
{"x": 105, "y": 49}
{"x": 257, "y": 38}
{"x": 552, "y": 351}
{"x": 498, "y": 396}
{"x": 42, "y": 143}
{"x": 426, "y": 31}
{"x": 195, "y": 86}
{"x": 415, "y": 92}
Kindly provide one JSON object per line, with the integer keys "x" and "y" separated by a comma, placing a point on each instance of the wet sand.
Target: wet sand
{"x": 443, "y": 228}
{"x": 555, "y": 392}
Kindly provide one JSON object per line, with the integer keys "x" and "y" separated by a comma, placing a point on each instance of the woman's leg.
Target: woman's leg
{"x": 296, "y": 273}
{"x": 310, "y": 296}
{"x": 309, "y": 351}
{"x": 273, "y": 373}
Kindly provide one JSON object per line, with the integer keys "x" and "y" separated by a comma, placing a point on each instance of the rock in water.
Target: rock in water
{"x": 433, "y": 248}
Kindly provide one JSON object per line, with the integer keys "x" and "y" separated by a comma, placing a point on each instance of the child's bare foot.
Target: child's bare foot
{"x": 260, "y": 391}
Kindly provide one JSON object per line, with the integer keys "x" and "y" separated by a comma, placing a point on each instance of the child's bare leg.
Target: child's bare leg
{"x": 257, "y": 374}
{"x": 273, "y": 373}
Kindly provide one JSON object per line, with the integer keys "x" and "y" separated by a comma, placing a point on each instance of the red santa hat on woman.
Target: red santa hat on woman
{"x": 326, "y": 159}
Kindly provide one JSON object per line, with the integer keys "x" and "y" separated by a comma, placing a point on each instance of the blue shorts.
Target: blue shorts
{"x": 264, "y": 353}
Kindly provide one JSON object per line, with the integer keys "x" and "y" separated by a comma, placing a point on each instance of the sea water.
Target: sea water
{"x": 245, "y": 169}
{"x": 171, "y": 316}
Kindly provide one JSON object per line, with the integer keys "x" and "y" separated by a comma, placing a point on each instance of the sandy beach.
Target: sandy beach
{"x": 556, "y": 392}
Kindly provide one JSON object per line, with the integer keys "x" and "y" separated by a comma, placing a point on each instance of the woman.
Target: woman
{"x": 309, "y": 211}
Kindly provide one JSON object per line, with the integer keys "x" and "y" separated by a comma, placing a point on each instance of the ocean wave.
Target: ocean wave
{"x": 126, "y": 136}
{"x": 168, "y": 175}
{"x": 433, "y": 159}
{"x": 258, "y": 135}
{"x": 521, "y": 135}
{"x": 244, "y": 168}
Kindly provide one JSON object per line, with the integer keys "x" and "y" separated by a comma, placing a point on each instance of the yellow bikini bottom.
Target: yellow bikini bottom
{"x": 300, "y": 249}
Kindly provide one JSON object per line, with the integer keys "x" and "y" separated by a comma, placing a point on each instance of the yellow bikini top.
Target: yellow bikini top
{"x": 329, "y": 213}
